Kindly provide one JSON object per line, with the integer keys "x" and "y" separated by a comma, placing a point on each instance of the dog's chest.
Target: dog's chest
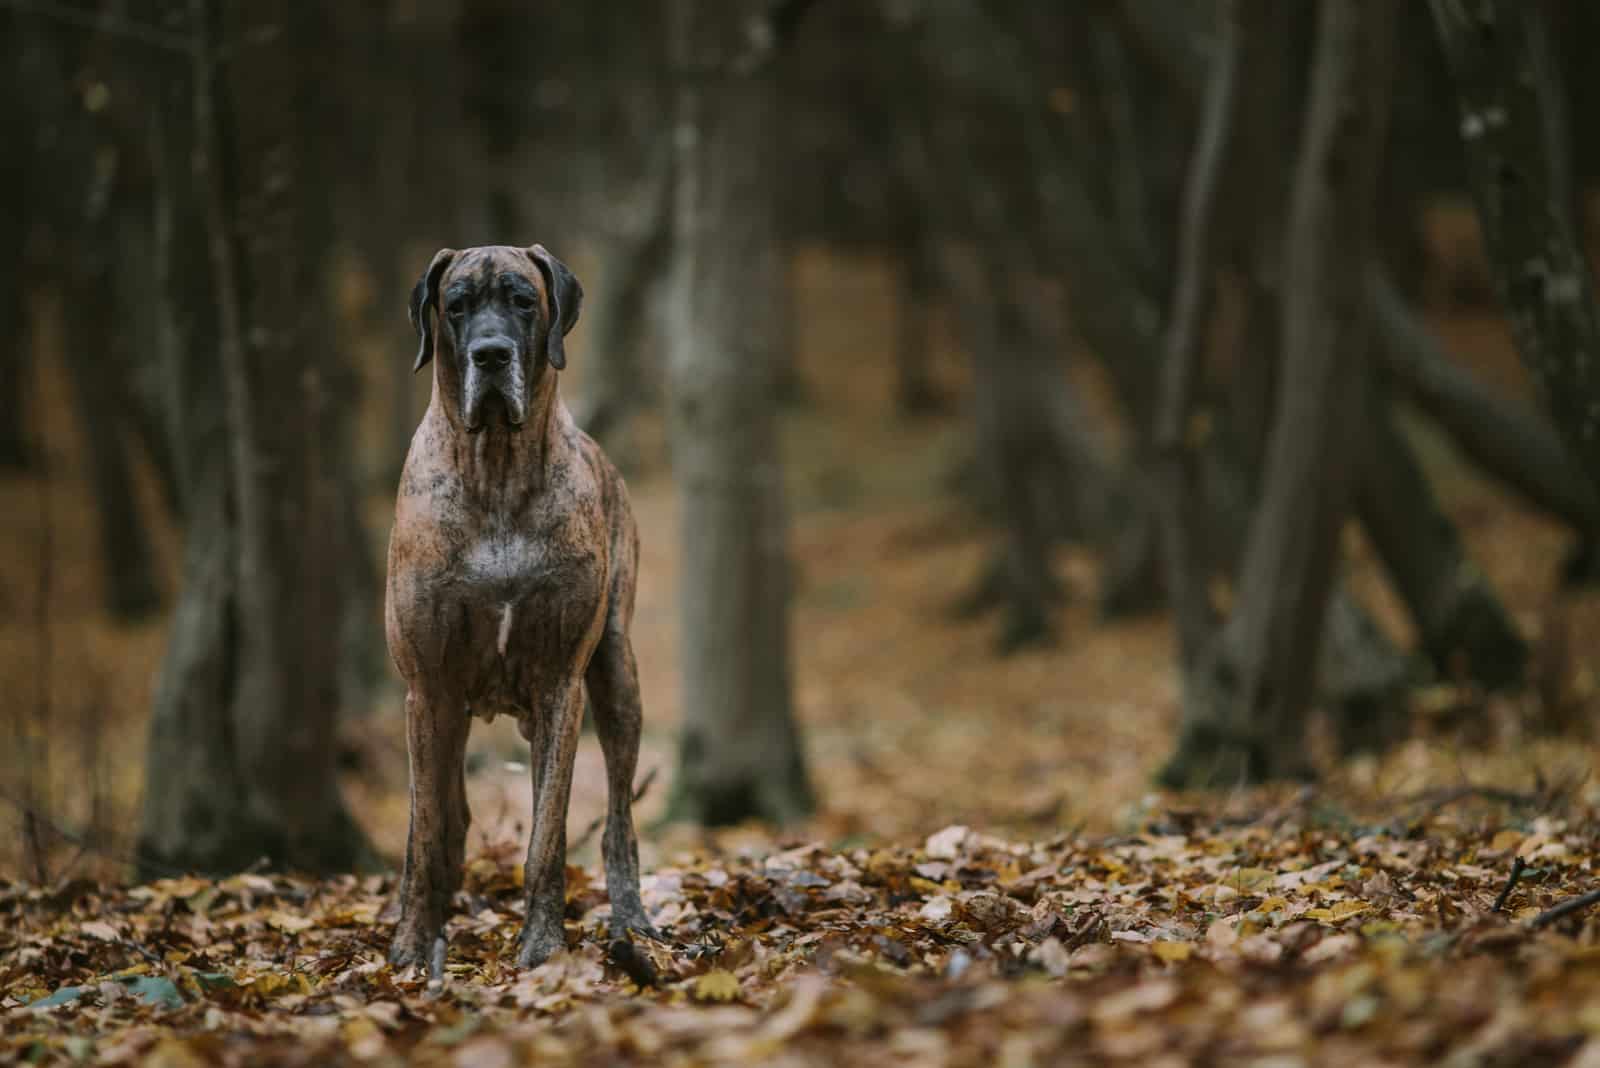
{"x": 529, "y": 605}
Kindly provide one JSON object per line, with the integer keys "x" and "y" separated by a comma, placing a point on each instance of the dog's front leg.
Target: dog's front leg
{"x": 436, "y": 739}
{"x": 552, "y": 733}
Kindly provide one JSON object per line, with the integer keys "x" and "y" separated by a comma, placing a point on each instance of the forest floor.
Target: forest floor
{"x": 990, "y": 878}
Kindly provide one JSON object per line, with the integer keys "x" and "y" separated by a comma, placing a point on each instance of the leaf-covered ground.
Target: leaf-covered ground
{"x": 1081, "y": 918}
{"x": 1295, "y": 935}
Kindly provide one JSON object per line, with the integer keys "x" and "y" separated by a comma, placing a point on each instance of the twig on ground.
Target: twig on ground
{"x": 104, "y": 849}
{"x": 589, "y": 831}
{"x": 1566, "y": 908}
{"x": 1518, "y": 866}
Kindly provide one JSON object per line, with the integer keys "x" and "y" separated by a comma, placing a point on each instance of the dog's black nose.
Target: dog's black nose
{"x": 490, "y": 353}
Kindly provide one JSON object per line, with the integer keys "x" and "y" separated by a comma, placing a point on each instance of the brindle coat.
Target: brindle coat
{"x": 512, "y": 568}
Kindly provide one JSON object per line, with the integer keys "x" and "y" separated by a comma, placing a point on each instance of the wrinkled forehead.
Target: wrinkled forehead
{"x": 482, "y": 267}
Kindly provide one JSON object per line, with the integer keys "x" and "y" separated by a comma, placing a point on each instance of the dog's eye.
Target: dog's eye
{"x": 456, "y": 308}
{"x": 523, "y": 302}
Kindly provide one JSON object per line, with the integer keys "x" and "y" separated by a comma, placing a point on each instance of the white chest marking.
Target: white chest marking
{"x": 505, "y": 629}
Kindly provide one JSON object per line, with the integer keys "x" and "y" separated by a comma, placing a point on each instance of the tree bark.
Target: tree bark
{"x": 242, "y": 760}
{"x": 1245, "y": 710}
{"x": 740, "y": 756}
{"x": 1181, "y": 502}
{"x": 1464, "y": 630}
{"x": 1509, "y": 90}
{"x": 617, "y": 382}
{"x": 915, "y": 392}
{"x": 16, "y": 362}
{"x": 1515, "y": 446}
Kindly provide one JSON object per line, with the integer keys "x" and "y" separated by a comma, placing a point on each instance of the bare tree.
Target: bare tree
{"x": 242, "y": 757}
{"x": 740, "y": 755}
{"x": 1519, "y": 161}
{"x": 1245, "y": 705}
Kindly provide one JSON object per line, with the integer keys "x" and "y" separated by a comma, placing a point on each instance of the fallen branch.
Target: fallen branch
{"x": 1566, "y": 908}
{"x": 589, "y": 831}
{"x": 1518, "y": 866}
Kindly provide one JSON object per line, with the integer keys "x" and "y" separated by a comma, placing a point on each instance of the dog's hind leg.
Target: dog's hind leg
{"x": 613, "y": 682}
{"x": 436, "y": 738}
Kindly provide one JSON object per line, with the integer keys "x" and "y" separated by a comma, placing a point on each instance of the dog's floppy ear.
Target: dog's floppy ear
{"x": 566, "y": 297}
{"x": 425, "y": 298}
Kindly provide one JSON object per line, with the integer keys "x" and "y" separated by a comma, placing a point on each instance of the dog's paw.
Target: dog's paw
{"x": 413, "y": 949}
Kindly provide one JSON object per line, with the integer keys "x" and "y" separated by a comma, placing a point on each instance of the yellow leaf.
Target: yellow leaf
{"x": 1172, "y": 952}
{"x": 1273, "y": 904}
{"x": 1246, "y": 880}
{"x": 273, "y": 984}
{"x": 1506, "y": 840}
{"x": 1341, "y": 911}
{"x": 716, "y": 986}
{"x": 289, "y": 923}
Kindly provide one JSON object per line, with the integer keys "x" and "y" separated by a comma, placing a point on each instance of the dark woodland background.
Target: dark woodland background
{"x": 1022, "y": 401}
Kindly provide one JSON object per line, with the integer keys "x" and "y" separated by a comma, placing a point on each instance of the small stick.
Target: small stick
{"x": 588, "y": 832}
{"x": 1518, "y": 866}
{"x": 1566, "y": 908}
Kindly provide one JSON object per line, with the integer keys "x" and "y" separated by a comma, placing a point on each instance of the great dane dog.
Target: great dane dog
{"x": 512, "y": 568}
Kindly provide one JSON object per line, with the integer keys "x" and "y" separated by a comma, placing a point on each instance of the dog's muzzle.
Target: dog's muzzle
{"x": 495, "y": 387}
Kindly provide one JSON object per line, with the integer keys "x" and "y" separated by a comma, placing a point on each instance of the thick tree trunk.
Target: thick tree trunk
{"x": 242, "y": 760}
{"x": 16, "y": 362}
{"x": 1464, "y": 629}
{"x": 740, "y": 756}
{"x": 1510, "y": 92}
{"x": 1244, "y": 712}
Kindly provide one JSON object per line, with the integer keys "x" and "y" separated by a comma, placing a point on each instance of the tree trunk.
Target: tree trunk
{"x": 1509, "y": 92}
{"x": 634, "y": 260}
{"x": 740, "y": 756}
{"x": 915, "y": 392}
{"x": 242, "y": 760}
{"x": 1244, "y": 712}
{"x": 1180, "y": 494}
{"x": 16, "y": 357}
{"x": 1464, "y": 630}
{"x": 1515, "y": 446}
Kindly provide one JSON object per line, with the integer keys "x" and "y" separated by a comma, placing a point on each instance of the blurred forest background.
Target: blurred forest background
{"x": 1124, "y": 395}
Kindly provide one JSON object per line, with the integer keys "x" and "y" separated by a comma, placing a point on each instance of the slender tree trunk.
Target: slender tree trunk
{"x": 1244, "y": 713}
{"x": 915, "y": 392}
{"x": 1014, "y": 385}
{"x": 1182, "y": 504}
{"x": 1514, "y": 445}
{"x": 634, "y": 260}
{"x": 1518, "y": 161}
{"x": 740, "y": 756}
{"x": 1463, "y": 627}
{"x": 242, "y": 760}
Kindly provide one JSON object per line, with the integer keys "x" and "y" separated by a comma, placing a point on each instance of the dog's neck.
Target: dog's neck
{"x": 501, "y": 462}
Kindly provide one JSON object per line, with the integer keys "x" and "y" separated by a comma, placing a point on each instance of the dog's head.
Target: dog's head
{"x": 494, "y": 316}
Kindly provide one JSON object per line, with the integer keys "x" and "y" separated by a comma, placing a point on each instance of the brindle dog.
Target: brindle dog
{"x": 512, "y": 568}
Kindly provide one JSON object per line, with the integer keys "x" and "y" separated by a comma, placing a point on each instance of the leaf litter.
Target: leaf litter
{"x": 1296, "y": 938}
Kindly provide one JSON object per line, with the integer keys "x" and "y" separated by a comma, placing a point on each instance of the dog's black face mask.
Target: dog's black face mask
{"x": 494, "y": 321}
{"x": 498, "y": 325}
